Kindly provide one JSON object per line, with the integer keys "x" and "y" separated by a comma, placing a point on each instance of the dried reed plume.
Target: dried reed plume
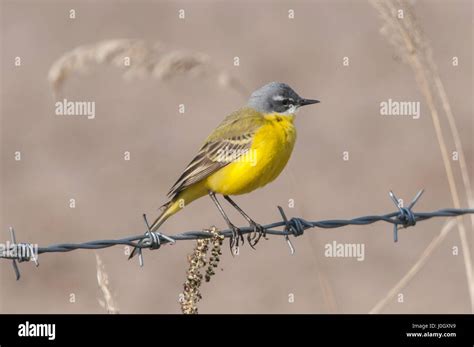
{"x": 407, "y": 37}
{"x": 198, "y": 260}
{"x": 138, "y": 58}
{"x": 103, "y": 280}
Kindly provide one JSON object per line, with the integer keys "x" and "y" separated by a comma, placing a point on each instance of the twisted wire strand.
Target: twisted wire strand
{"x": 403, "y": 218}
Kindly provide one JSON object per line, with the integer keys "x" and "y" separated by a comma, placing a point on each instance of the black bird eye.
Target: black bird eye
{"x": 285, "y": 102}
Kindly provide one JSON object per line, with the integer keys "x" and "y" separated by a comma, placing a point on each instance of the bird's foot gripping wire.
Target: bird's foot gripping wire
{"x": 235, "y": 239}
{"x": 256, "y": 234}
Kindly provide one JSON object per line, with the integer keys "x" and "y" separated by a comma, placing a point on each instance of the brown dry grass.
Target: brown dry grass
{"x": 138, "y": 58}
{"x": 108, "y": 302}
{"x": 157, "y": 61}
{"x": 407, "y": 37}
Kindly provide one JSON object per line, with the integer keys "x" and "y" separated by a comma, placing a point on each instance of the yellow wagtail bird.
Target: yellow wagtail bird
{"x": 246, "y": 151}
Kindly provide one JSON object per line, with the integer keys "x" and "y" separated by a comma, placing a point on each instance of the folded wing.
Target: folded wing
{"x": 229, "y": 141}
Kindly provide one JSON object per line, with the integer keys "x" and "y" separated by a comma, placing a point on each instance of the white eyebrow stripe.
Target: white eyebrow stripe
{"x": 277, "y": 97}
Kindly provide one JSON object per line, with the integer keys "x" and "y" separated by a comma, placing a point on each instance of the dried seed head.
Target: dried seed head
{"x": 197, "y": 260}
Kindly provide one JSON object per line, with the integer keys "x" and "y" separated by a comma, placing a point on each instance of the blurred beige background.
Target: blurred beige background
{"x": 72, "y": 157}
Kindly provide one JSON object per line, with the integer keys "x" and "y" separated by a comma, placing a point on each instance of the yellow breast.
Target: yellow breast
{"x": 270, "y": 151}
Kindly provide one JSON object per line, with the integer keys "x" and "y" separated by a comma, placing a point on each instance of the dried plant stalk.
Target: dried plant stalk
{"x": 406, "y": 35}
{"x": 415, "y": 268}
{"x": 197, "y": 261}
{"x": 216, "y": 251}
{"x": 103, "y": 280}
{"x": 138, "y": 58}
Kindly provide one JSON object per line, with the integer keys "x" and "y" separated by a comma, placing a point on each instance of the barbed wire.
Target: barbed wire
{"x": 404, "y": 217}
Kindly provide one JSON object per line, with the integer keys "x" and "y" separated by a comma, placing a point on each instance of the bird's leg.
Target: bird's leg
{"x": 236, "y": 234}
{"x": 258, "y": 230}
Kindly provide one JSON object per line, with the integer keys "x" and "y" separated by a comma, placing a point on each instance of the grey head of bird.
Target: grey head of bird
{"x": 276, "y": 97}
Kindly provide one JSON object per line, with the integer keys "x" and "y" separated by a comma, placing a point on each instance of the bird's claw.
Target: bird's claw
{"x": 256, "y": 234}
{"x": 235, "y": 239}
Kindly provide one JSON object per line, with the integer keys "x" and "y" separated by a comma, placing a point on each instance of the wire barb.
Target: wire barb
{"x": 14, "y": 263}
{"x": 289, "y": 228}
{"x": 151, "y": 240}
{"x": 18, "y": 252}
{"x": 404, "y": 217}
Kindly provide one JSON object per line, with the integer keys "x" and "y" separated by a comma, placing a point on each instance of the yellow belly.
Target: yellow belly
{"x": 270, "y": 151}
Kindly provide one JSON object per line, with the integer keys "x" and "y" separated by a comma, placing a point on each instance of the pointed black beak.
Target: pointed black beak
{"x": 304, "y": 102}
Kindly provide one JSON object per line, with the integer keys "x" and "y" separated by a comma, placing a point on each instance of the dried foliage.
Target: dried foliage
{"x": 197, "y": 261}
{"x": 103, "y": 280}
{"x": 216, "y": 252}
{"x": 138, "y": 58}
{"x": 402, "y": 30}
